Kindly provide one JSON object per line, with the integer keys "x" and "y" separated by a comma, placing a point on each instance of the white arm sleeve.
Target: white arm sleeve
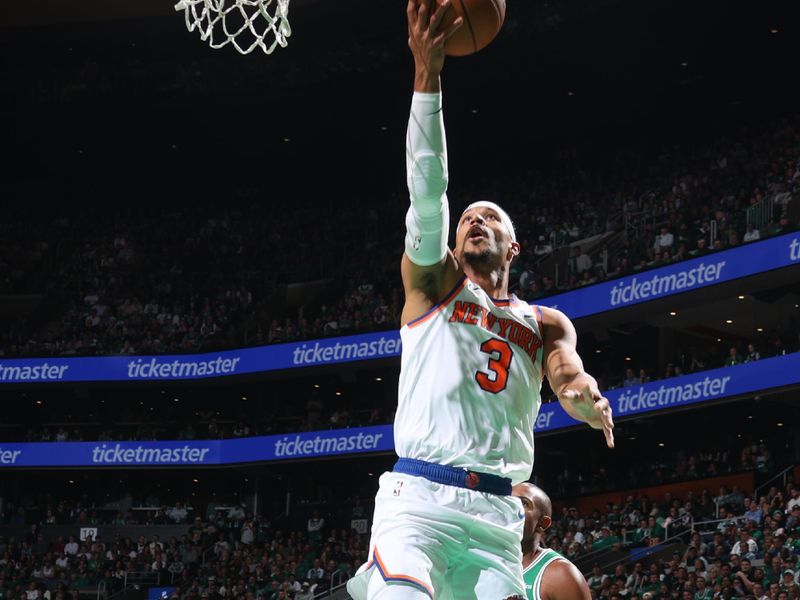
{"x": 428, "y": 217}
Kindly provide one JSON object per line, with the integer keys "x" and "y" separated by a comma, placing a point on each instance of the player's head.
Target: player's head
{"x": 485, "y": 237}
{"x": 538, "y": 510}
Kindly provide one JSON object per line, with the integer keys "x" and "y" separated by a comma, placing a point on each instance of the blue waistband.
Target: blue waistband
{"x": 480, "y": 482}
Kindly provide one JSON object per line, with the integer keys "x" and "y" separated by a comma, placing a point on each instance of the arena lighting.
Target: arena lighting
{"x": 740, "y": 297}
{"x": 338, "y": 393}
{"x": 316, "y": 385}
{"x": 474, "y": 111}
{"x": 598, "y": 351}
{"x": 244, "y": 397}
{"x": 286, "y": 139}
{"x": 759, "y": 329}
{"x": 749, "y": 416}
{"x": 684, "y": 64}
{"x": 728, "y": 321}
{"x": 627, "y": 358}
{"x": 72, "y": 481}
{"x": 176, "y": 399}
{"x": 779, "y": 424}
{"x": 196, "y": 480}
{"x": 379, "y": 379}
{"x": 39, "y": 402}
{"x": 672, "y": 313}
{"x": 570, "y": 93}
{"x": 719, "y": 339}
{"x": 661, "y": 444}
{"x": 774, "y": 30}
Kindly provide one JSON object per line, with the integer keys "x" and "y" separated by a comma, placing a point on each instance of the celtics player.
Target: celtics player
{"x": 446, "y": 524}
{"x": 547, "y": 574}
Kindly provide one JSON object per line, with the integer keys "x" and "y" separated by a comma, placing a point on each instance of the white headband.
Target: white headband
{"x": 504, "y": 218}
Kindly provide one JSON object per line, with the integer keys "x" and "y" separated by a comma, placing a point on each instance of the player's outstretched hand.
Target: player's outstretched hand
{"x": 424, "y": 37}
{"x": 594, "y": 409}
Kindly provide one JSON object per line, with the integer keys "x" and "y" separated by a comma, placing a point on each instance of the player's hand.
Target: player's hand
{"x": 594, "y": 409}
{"x": 425, "y": 38}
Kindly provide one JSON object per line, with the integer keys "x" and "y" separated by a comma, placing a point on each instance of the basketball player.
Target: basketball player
{"x": 445, "y": 523}
{"x": 547, "y": 574}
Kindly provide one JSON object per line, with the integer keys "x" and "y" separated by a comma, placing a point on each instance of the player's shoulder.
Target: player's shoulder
{"x": 551, "y": 315}
{"x": 563, "y": 581}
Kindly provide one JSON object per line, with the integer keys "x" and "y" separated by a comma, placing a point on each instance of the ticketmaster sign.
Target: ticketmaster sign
{"x": 717, "y": 267}
{"x": 198, "y": 452}
{"x": 627, "y": 402}
{"x": 689, "y": 275}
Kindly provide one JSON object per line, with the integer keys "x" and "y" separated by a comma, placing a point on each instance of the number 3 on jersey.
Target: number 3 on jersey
{"x": 500, "y": 355}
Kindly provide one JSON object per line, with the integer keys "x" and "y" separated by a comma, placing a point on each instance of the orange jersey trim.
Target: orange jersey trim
{"x": 398, "y": 577}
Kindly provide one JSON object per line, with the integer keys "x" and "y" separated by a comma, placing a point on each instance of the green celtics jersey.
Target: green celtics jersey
{"x": 534, "y": 573}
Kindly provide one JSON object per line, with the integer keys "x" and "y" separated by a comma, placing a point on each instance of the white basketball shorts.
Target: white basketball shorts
{"x": 446, "y": 541}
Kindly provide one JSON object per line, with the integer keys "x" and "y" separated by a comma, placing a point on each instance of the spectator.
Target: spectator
{"x": 751, "y": 234}
{"x": 664, "y": 240}
{"x": 305, "y": 592}
{"x": 542, "y": 248}
{"x": 314, "y": 527}
{"x": 752, "y": 353}
{"x": 733, "y": 357}
{"x": 177, "y": 513}
{"x": 746, "y": 546}
{"x": 630, "y": 378}
{"x": 580, "y": 262}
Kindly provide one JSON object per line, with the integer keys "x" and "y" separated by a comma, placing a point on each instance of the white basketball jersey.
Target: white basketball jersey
{"x": 470, "y": 383}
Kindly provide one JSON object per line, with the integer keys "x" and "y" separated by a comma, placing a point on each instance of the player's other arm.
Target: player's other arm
{"x": 428, "y": 268}
{"x": 563, "y": 581}
{"x": 577, "y": 391}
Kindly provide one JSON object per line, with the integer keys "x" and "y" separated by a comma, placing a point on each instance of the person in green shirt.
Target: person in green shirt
{"x": 703, "y": 591}
{"x": 547, "y": 574}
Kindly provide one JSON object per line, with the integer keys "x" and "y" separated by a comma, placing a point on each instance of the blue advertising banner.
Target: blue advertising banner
{"x": 626, "y": 402}
{"x": 160, "y": 593}
{"x": 201, "y": 366}
{"x": 692, "y": 274}
{"x": 192, "y": 453}
{"x": 714, "y": 384}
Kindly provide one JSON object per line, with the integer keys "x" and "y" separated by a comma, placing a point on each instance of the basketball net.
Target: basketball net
{"x": 264, "y": 23}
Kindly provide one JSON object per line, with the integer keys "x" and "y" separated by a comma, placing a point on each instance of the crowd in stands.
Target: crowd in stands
{"x": 158, "y": 281}
{"x": 205, "y": 424}
{"x": 733, "y": 546}
{"x": 711, "y": 455}
{"x": 702, "y": 358}
{"x": 231, "y": 554}
{"x": 730, "y": 545}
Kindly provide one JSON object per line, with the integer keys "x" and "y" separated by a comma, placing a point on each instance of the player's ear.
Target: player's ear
{"x": 513, "y": 250}
{"x": 544, "y": 523}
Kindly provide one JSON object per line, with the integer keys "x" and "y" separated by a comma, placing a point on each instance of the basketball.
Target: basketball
{"x": 482, "y": 22}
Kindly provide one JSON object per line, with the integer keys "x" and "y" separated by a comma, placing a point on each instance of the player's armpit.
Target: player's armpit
{"x": 425, "y": 287}
{"x": 563, "y": 581}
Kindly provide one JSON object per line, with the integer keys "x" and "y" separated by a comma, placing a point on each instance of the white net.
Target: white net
{"x": 246, "y": 24}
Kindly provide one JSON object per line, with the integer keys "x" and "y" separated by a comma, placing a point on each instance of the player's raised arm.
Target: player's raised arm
{"x": 577, "y": 391}
{"x": 428, "y": 267}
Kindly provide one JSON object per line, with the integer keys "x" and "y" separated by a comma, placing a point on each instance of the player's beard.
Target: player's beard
{"x": 478, "y": 259}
